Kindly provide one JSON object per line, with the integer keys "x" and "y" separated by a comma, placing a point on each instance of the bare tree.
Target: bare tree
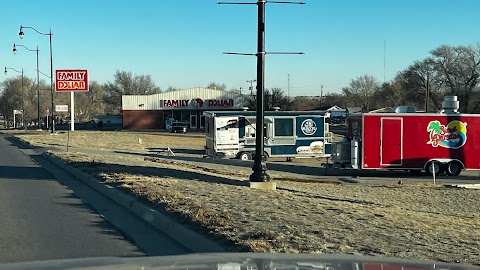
{"x": 361, "y": 91}
{"x": 305, "y": 103}
{"x": 417, "y": 78}
{"x": 459, "y": 69}
{"x": 13, "y": 97}
{"x": 332, "y": 99}
{"x": 125, "y": 83}
{"x": 90, "y": 103}
{"x": 218, "y": 86}
{"x": 171, "y": 89}
{"x": 274, "y": 97}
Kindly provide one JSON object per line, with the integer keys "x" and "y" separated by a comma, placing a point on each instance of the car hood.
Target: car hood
{"x": 244, "y": 261}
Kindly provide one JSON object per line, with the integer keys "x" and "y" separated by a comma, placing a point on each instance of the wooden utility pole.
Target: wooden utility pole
{"x": 427, "y": 90}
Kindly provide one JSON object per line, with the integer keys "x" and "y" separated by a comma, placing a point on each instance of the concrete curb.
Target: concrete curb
{"x": 468, "y": 186}
{"x": 161, "y": 222}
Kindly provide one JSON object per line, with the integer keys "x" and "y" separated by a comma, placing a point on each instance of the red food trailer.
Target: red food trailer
{"x": 444, "y": 142}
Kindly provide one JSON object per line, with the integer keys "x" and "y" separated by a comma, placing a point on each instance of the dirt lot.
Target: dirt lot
{"x": 407, "y": 221}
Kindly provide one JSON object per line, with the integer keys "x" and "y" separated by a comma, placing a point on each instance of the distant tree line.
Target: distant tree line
{"x": 101, "y": 98}
{"x": 448, "y": 70}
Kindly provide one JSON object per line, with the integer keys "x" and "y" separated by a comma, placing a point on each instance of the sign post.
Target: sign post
{"x": 47, "y": 111}
{"x": 72, "y": 113}
{"x": 72, "y": 80}
{"x": 15, "y": 112}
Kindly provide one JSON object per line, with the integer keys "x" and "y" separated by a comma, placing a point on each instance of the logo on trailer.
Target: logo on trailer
{"x": 453, "y": 135}
{"x": 197, "y": 103}
{"x": 314, "y": 148}
{"x": 308, "y": 127}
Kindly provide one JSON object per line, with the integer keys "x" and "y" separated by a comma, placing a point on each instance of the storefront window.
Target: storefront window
{"x": 166, "y": 117}
{"x": 185, "y": 117}
{"x": 177, "y": 115}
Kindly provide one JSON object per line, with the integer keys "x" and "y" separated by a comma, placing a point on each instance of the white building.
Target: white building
{"x": 337, "y": 112}
{"x": 187, "y": 106}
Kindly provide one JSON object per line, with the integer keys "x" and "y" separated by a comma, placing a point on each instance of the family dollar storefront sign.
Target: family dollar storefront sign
{"x": 71, "y": 80}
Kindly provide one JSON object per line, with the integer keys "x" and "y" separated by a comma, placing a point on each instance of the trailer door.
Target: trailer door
{"x": 391, "y": 141}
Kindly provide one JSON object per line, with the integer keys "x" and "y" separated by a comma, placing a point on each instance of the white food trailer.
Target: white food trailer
{"x": 231, "y": 134}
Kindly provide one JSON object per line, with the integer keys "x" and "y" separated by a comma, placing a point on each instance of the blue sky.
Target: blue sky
{"x": 180, "y": 43}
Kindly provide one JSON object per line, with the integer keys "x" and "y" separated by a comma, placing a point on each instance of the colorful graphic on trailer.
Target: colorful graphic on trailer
{"x": 453, "y": 135}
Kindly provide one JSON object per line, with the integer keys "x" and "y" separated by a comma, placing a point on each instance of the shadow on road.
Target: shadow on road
{"x": 18, "y": 143}
{"x": 297, "y": 169}
{"x": 160, "y": 172}
{"x": 177, "y": 151}
{"x": 71, "y": 200}
{"x": 24, "y": 173}
{"x": 344, "y": 175}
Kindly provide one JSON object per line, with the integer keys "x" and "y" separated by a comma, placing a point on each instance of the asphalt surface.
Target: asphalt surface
{"x": 310, "y": 169}
{"x": 42, "y": 219}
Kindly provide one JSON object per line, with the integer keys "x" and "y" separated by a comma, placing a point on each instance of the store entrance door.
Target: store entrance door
{"x": 202, "y": 121}
{"x": 193, "y": 121}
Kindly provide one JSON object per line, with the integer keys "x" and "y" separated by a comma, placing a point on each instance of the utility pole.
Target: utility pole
{"x": 259, "y": 166}
{"x": 288, "y": 87}
{"x": 384, "y": 59}
{"x": 251, "y": 86}
{"x": 321, "y": 96}
{"x": 427, "y": 90}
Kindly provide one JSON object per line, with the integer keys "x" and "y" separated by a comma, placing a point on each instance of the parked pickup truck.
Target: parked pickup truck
{"x": 178, "y": 127}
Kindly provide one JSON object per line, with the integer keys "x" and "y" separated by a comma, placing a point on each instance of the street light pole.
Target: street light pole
{"x": 51, "y": 83}
{"x": 259, "y": 166}
{"x": 23, "y": 97}
{"x": 21, "y": 34}
{"x": 38, "y": 80}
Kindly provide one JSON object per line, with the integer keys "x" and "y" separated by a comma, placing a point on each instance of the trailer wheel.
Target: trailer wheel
{"x": 265, "y": 156}
{"x": 435, "y": 165}
{"x": 453, "y": 168}
{"x": 245, "y": 156}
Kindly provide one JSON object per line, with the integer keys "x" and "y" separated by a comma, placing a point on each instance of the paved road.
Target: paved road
{"x": 308, "y": 169}
{"x": 42, "y": 219}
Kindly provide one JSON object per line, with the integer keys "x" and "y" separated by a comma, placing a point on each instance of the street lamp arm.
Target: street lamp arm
{"x": 236, "y": 3}
{"x": 260, "y": 2}
{"x": 29, "y": 27}
{"x": 15, "y": 45}
{"x": 248, "y": 54}
{"x": 43, "y": 73}
{"x": 286, "y": 2}
{"x": 6, "y": 68}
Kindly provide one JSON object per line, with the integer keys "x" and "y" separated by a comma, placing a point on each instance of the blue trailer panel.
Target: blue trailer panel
{"x": 287, "y": 134}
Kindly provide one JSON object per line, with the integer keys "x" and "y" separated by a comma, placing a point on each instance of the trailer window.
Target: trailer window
{"x": 284, "y": 127}
{"x": 210, "y": 126}
{"x": 250, "y": 131}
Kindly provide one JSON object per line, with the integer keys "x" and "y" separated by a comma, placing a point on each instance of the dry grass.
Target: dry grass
{"x": 109, "y": 140}
{"x": 408, "y": 221}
